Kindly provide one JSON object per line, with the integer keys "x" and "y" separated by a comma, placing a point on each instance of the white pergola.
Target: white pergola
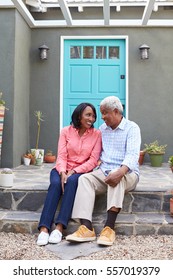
{"x": 27, "y": 8}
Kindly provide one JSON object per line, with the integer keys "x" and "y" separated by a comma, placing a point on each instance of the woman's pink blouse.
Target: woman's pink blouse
{"x": 77, "y": 153}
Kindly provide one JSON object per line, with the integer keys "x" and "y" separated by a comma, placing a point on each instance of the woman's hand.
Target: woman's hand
{"x": 64, "y": 177}
{"x": 63, "y": 180}
{"x": 70, "y": 172}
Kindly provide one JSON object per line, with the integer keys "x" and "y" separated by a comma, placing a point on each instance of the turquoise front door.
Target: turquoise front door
{"x": 93, "y": 69}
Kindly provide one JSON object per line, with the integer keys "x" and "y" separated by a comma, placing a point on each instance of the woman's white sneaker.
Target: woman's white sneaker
{"x": 43, "y": 238}
{"x": 55, "y": 236}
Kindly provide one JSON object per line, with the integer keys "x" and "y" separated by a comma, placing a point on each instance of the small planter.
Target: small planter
{"x": 170, "y": 161}
{"x": 26, "y": 161}
{"x": 33, "y": 160}
{"x": 156, "y": 160}
{"x": 141, "y": 157}
{"x": 38, "y": 161}
{"x": 156, "y": 153}
{"x": 171, "y": 206}
{"x": 6, "y": 178}
{"x": 38, "y": 153}
{"x": 49, "y": 159}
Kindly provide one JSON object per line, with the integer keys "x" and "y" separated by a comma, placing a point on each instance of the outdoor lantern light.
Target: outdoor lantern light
{"x": 43, "y": 52}
{"x": 144, "y": 50}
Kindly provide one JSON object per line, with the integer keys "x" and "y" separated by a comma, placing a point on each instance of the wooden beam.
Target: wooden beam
{"x": 67, "y": 21}
{"x": 66, "y": 12}
{"x": 106, "y": 12}
{"x": 147, "y": 11}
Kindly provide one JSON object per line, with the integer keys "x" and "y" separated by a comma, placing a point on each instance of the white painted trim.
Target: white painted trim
{"x": 63, "y": 38}
{"x": 24, "y": 12}
{"x": 106, "y": 12}
{"x": 66, "y": 12}
{"x": 68, "y": 21}
{"x": 147, "y": 11}
{"x": 6, "y": 4}
{"x": 61, "y": 80}
{"x": 97, "y": 23}
{"x": 127, "y": 75}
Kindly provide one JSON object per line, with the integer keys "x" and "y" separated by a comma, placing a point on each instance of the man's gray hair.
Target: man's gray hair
{"x": 112, "y": 102}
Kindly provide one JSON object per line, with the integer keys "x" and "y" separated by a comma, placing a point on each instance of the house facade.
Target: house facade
{"x": 93, "y": 52}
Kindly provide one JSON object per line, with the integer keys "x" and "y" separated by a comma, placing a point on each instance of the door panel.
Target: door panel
{"x": 93, "y": 69}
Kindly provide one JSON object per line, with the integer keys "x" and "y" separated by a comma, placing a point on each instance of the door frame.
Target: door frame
{"x": 63, "y": 38}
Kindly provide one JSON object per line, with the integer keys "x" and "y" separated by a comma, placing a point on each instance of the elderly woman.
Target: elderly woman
{"x": 79, "y": 149}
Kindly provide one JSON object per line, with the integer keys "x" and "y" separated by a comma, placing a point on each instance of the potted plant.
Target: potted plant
{"x": 141, "y": 157}
{"x": 27, "y": 158}
{"x": 39, "y": 158}
{"x": 36, "y": 151}
{"x": 6, "y": 177}
{"x": 170, "y": 161}
{"x": 49, "y": 157}
{"x": 155, "y": 152}
{"x": 171, "y": 204}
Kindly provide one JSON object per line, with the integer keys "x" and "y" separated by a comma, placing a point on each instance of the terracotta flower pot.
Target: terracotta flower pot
{"x": 141, "y": 157}
{"x": 171, "y": 206}
{"x": 49, "y": 158}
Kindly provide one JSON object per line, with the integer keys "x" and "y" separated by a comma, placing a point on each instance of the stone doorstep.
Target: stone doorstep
{"x": 135, "y": 201}
{"x": 146, "y": 217}
{"x": 145, "y": 210}
{"x": 126, "y": 224}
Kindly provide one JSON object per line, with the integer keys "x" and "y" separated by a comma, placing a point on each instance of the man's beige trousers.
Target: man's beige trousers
{"x": 91, "y": 184}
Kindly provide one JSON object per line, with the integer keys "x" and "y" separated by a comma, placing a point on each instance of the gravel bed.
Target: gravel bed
{"x": 23, "y": 247}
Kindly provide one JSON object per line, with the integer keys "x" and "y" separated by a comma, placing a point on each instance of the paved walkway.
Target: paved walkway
{"x": 37, "y": 177}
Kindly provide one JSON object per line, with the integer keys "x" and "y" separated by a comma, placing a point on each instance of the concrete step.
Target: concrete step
{"x": 145, "y": 210}
{"x": 126, "y": 224}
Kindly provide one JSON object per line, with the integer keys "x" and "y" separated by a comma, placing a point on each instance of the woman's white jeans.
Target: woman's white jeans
{"x": 91, "y": 184}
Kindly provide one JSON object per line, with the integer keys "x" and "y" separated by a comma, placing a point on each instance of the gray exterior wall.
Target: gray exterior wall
{"x": 30, "y": 84}
{"x": 15, "y": 85}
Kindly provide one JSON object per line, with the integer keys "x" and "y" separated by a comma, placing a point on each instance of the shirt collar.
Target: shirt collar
{"x": 120, "y": 126}
{"x": 86, "y": 132}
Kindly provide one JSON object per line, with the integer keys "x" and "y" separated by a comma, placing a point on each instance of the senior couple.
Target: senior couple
{"x": 76, "y": 180}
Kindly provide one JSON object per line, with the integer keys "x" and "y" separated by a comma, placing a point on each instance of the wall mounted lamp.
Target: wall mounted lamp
{"x": 144, "y": 51}
{"x": 43, "y": 52}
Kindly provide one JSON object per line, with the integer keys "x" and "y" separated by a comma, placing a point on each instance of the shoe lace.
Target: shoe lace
{"x": 82, "y": 230}
{"x": 106, "y": 231}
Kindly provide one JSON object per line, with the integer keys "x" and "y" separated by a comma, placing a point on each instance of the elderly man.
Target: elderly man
{"x": 117, "y": 174}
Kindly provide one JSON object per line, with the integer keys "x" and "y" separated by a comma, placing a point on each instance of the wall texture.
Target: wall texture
{"x": 15, "y": 85}
{"x": 30, "y": 84}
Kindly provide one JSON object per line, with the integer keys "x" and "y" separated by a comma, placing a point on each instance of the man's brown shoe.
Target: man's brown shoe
{"x": 107, "y": 237}
{"x": 83, "y": 234}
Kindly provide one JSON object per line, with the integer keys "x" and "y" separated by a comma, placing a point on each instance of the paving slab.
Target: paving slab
{"x": 69, "y": 251}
